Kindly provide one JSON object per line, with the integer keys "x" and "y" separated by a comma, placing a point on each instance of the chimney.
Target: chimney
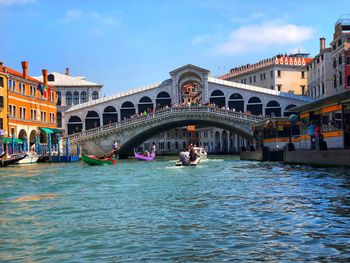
{"x": 322, "y": 43}
{"x": 25, "y": 69}
{"x": 67, "y": 71}
{"x": 45, "y": 72}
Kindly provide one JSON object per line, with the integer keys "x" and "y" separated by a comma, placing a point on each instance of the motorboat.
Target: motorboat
{"x": 32, "y": 157}
{"x": 202, "y": 153}
{"x": 193, "y": 163}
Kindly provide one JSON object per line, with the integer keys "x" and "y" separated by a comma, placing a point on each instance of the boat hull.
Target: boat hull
{"x": 12, "y": 160}
{"x": 29, "y": 159}
{"x": 92, "y": 160}
{"x": 141, "y": 157}
{"x": 194, "y": 163}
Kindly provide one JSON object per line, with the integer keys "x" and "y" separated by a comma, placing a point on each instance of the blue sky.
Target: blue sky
{"x": 127, "y": 44}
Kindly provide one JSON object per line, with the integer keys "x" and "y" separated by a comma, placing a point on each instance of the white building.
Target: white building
{"x": 72, "y": 91}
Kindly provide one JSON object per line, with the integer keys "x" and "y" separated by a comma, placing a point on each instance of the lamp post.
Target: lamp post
{"x": 13, "y": 142}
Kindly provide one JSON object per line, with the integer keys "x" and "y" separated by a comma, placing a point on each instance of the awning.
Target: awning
{"x": 46, "y": 130}
{"x": 7, "y": 140}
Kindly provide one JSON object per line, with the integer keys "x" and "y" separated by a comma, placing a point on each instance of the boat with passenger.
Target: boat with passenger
{"x": 142, "y": 157}
{"x": 93, "y": 160}
{"x": 12, "y": 159}
{"x": 32, "y": 157}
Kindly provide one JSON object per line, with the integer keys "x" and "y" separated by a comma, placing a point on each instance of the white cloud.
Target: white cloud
{"x": 16, "y": 2}
{"x": 201, "y": 39}
{"x": 261, "y": 36}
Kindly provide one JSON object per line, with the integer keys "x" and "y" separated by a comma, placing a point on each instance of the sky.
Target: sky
{"x": 127, "y": 44}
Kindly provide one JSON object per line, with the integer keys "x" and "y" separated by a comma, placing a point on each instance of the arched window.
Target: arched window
{"x": 163, "y": 99}
{"x": 69, "y": 98}
{"x": 74, "y": 125}
{"x": 236, "y": 102}
{"x": 273, "y": 109}
{"x": 92, "y": 120}
{"x": 95, "y": 95}
{"x": 254, "y": 106}
{"x": 59, "y": 98}
{"x": 288, "y": 113}
{"x": 127, "y": 110}
{"x": 83, "y": 97}
{"x": 76, "y": 98}
{"x": 217, "y": 97}
{"x": 51, "y": 77}
{"x": 145, "y": 104}
{"x": 59, "y": 119}
{"x": 110, "y": 115}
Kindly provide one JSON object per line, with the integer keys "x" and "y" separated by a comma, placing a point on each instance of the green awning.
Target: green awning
{"x": 47, "y": 130}
{"x": 7, "y": 140}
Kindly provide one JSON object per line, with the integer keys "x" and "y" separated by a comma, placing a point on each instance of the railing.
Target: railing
{"x": 166, "y": 112}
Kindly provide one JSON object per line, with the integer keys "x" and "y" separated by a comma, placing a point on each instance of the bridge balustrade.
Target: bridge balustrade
{"x": 164, "y": 112}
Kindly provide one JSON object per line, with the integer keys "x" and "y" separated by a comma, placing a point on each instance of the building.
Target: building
{"x": 341, "y": 55}
{"x": 319, "y": 73}
{"x": 281, "y": 73}
{"x": 175, "y": 90}
{"x": 71, "y": 91}
{"x": 31, "y": 105}
{"x": 3, "y": 103}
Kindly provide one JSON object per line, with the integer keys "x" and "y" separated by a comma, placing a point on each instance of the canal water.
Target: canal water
{"x": 222, "y": 210}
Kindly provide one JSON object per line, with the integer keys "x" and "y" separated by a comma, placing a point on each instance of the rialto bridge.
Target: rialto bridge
{"x": 188, "y": 85}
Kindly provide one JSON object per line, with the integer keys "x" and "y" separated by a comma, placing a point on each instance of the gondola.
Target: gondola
{"x": 93, "y": 160}
{"x": 142, "y": 157}
{"x": 12, "y": 160}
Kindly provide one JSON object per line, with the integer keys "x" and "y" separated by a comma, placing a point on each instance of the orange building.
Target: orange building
{"x": 31, "y": 105}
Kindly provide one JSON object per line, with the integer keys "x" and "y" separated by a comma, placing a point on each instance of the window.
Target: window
{"x": 68, "y": 98}
{"x": 264, "y": 75}
{"x": 1, "y": 82}
{"x": 95, "y": 95}
{"x": 334, "y": 63}
{"x": 52, "y": 117}
{"x": 271, "y": 86}
{"x": 76, "y": 98}
{"x": 302, "y": 89}
{"x": 340, "y": 78}
{"x": 83, "y": 97}
{"x": 13, "y": 86}
{"x": 339, "y": 43}
{"x": 348, "y": 80}
{"x": 9, "y": 84}
{"x": 33, "y": 115}
{"x": 254, "y": 78}
{"x": 334, "y": 81}
{"x": 22, "y": 112}
{"x": 32, "y": 91}
{"x": 279, "y": 87}
{"x": 271, "y": 73}
{"x": 59, "y": 98}
{"x": 278, "y": 73}
{"x": 323, "y": 91}
{"x": 14, "y": 111}
{"x": 334, "y": 47}
{"x": 1, "y": 102}
{"x": 340, "y": 60}
{"x": 250, "y": 79}
{"x": 303, "y": 74}
{"x": 22, "y": 88}
{"x": 261, "y": 76}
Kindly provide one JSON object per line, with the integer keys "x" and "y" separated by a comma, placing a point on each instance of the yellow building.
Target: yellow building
{"x": 3, "y": 102}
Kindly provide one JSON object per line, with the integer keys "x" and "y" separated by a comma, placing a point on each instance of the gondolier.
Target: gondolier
{"x": 115, "y": 148}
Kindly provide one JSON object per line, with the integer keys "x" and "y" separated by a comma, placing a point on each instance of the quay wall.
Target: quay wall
{"x": 252, "y": 156}
{"x": 332, "y": 157}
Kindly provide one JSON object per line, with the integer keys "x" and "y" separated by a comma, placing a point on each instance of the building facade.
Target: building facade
{"x": 341, "y": 55}
{"x": 281, "y": 73}
{"x": 174, "y": 91}
{"x": 31, "y": 105}
{"x": 72, "y": 91}
{"x": 319, "y": 75}
{"x": 3, "y": 103}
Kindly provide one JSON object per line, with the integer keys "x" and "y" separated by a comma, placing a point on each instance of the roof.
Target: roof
{"x": 189, "y": 66}
{"x": 260, "y": 89}
{"x": 20, "y": 74}
{"x": 66, "y": 80}
{"x": 334, "y": 99}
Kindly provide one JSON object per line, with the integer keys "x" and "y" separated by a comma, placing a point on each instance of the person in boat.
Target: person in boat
{"x": 146, "y": 153}
{"x": 184, "y": 157}
{"x": 153, "y": 148}
{"x": 193, "y": 153}
{"x": 115, "y": 148}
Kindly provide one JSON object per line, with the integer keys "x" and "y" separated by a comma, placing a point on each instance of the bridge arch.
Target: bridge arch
{"x": 163, "y": 99}
{"x": 127, "y": 110}
{"x": 74, "y": 125}
{"x": 254, "y": 106}
{"x": 145, "y": 104}
{"x": 236, "y": 102}
{"x": 288, "y": 113}
{"x": 218, "y": 98}
{"x": 273, "y": 109}
{"x": 110, "y": 115}
{"x": 92, "y": 120}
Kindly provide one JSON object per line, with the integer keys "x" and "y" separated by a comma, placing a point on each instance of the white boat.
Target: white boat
{"x": 202, "y": 153}
{"x": 31, "y": 157}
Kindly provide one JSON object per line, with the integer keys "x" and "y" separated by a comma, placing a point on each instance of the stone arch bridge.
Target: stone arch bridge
{"x": 132, "y": 132}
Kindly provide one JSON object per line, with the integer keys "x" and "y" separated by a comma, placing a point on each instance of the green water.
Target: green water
{"x": 222, "y": 210}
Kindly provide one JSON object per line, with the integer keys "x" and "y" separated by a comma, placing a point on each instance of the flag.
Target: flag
{"x": 48, "y": 92}
{"x": 40, "y": 89}
{"x": 44, "y": 90}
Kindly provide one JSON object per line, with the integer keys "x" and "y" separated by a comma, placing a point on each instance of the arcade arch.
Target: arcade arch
{"x": 109, "y": 115}
{"x": 92, "y": 120}
{"x": 145, "y": 104}
{"x": 236, "y": 102}
{"x": 273, "y": 109}
{"x": 163, "y": 99}
{"x": 218, "y": 98}
{"x": 74, "y": 125}
{"x": 254, "y": 106}
{"x": 127, "y": 110}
